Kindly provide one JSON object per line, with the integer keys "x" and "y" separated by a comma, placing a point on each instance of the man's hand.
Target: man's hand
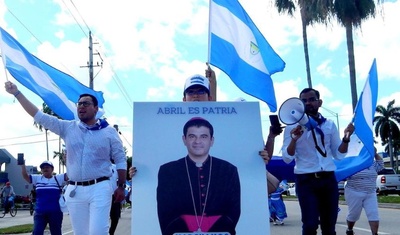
{"x": 11, "y": 88}
{"x": 132, "y": 171}
{"x": 264, "y": 155}
{"x": 349, "y": 130}
{"x": 210, "y": 74}
{"x": 119, "y": 194}
{"x": 296, "y": 132}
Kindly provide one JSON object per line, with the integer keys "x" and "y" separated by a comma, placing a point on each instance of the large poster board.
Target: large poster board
{"x": 157, "y": 128}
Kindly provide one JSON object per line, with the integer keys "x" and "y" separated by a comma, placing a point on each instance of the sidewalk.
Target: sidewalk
{"x": 23, "y": 217}
{"x": 380, "y": 205}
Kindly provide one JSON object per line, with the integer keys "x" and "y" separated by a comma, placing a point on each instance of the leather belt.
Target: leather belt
{"x": 89, "y": 182}
{"x": 320, "y": 174}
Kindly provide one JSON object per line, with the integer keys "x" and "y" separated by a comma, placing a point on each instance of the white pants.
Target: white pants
{"x": 356, "y": 201}
{"x": 89, "y": 209}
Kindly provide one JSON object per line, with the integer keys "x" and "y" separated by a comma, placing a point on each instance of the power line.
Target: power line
{"x": 80, "y": 15}
{"x": 20, "y": 137}
{"x": 75, "y": 18}
{"x": 115, "y": 76}
{"x": 120, "y": 86}
{"x": 24, "y": 143}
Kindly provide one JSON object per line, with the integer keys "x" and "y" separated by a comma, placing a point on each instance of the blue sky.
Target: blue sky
{"x": 149, "y": 49}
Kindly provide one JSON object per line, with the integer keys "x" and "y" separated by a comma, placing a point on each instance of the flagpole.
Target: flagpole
{"x": 209, "y": 31}
{"x": 355, "y": 108}
{"x": 4, "y": 60}
{"x": 4, "y": 66}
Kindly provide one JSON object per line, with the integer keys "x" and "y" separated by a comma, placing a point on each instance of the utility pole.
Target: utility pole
{"x": 90, "y": 62}
{"x": 334, "y": 114}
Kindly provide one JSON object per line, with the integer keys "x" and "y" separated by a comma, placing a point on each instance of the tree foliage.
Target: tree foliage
{"x": 387, "y": 123}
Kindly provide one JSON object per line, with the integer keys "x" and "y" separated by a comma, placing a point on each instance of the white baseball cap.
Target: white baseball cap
{"x": 46, "y": 163}
{"x": 197, "y": 80}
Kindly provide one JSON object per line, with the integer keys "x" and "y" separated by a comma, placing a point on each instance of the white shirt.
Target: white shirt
{"x": 308, "y": 159}
{"x": 89, "y": 151}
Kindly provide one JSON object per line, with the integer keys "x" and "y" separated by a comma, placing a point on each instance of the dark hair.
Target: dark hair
{"x": 306, "y": 90}
{"x": 94, "y": 99}
{"x": 198, "y": 122}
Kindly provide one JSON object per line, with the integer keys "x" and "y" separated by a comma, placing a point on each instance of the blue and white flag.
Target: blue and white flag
{"x": 239, "y": 49}
{"x": 58, "y": 90}
{"x": 361, "y": 150}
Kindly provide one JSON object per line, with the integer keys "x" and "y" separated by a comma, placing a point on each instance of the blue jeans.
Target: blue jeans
{"x": 318, "y": 199}
{"x": 8, "y": 203}
{"x": 41, "y": 219}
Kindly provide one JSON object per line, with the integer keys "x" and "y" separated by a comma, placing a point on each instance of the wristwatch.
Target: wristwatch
{"x": 121, "y": 185}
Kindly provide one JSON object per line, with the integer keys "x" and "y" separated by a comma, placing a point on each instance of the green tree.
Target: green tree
{"x": 311, "y": 12}
{"x": 350, "y": 14}
{"x": 396, "y": 151}
{"x": 61, "y": 158}
{"x": 46, "y": 109}
{"x": 386, "y": 126}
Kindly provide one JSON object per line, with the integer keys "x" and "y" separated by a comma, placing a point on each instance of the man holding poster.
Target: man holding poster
{"x": 198, "y": 193}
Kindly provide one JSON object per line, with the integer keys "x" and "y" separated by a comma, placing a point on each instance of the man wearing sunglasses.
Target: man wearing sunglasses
{"x": 90, "y": 143}
{"x": 313, "y": 151}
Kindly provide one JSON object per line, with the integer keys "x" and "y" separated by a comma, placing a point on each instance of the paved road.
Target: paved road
{"x": 388, "y": 225}
{"x": 23, "y": 217}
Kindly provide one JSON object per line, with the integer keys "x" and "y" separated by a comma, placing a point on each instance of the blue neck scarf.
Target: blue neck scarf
{"x": 100, "y": 124}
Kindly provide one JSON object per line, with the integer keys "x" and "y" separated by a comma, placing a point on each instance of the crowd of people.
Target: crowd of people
{"x": 97, "y": 171}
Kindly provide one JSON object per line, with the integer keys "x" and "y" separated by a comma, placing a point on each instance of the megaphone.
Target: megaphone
{"x": 292, "y": 111}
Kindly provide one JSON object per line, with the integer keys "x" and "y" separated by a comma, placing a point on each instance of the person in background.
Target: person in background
{"x": 197, "y": 88}
{"x": 7, "y": 194}
{"x": 115, "y": 212}
{"x": 275, "y": 189}
{"x": 360, "y": 192}
{"x": 313, "y": 151}
{"x": 266, "y": 154}
{"x": 91, "y": 143}
{"x": 47, "y": 208}
{"x": 277, "y": 207}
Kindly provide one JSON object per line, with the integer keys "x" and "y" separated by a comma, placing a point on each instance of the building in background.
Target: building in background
{"x": 10, "y": 171}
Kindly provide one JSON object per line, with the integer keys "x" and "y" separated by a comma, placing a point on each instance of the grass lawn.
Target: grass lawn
{"x": 24, "y": 228}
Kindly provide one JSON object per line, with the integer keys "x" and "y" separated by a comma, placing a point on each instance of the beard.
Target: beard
{"x": 310, "y": 110}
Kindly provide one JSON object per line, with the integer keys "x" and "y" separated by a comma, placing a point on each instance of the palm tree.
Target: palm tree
{"x": 61, "y": 157}
{"x": 350, "y": 14}
{"x": 46, "y": 109}
{"x": 396, "y": 151}
{"x": 386, "y": 126}
{"x": 311, "y": 11}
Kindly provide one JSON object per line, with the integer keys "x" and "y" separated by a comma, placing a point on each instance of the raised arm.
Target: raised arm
{"x": 26, "y": 104}
{"x": 210, "y": 74}
{"x": 25, "y": 173}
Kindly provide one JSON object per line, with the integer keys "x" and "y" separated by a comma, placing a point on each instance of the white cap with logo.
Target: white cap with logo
{"x": 197, "y": 80}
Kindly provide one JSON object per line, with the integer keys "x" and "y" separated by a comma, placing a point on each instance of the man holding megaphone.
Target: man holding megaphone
{"x": 313, "y": 148}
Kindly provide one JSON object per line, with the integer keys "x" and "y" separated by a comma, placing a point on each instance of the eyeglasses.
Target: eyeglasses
{"x": 84, "y": 103}
{"x": 312, "y": 99}
{"x": 195, "y": 92}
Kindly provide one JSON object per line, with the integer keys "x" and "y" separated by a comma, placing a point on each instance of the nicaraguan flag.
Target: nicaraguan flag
{"x": 58, "y": 90}
{"x": 361, "y": 150}
{"x": 239, "y": 49}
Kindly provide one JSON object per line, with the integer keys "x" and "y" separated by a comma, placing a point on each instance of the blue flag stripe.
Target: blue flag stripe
{"x": 260, "y": 85}
{"x": 58, "y": 90}
{"x": 271, "y": 59}
{"x": 362, "y": 139}
{"x": 240, "y": 50}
